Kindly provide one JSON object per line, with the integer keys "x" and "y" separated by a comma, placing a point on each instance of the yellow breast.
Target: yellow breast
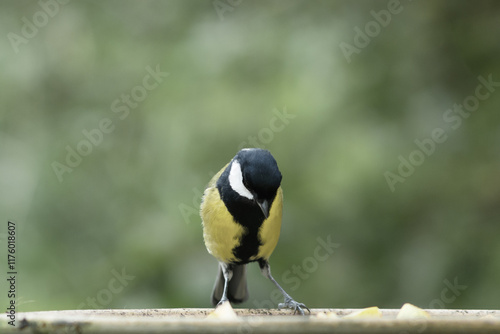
{"x": 269, "y": 232}
{"x": 222, "y": 234}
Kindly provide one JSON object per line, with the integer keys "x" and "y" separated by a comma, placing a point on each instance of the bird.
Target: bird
{"x": 241, "y": 211}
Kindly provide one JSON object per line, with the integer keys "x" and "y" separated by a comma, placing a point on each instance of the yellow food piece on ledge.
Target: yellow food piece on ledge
{"x": 409, "y": 311}
{"x": 370, "y": 312}
{"x": 224, "y": 311}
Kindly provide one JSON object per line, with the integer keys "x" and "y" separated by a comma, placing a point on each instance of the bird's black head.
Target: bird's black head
{"x": 254, "y": 177}
{"x": 261, "y": 175}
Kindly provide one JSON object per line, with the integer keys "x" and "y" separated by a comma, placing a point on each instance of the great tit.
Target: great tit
{"x": 241, "y": 214}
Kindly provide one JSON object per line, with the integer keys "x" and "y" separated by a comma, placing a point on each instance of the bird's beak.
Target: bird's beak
{"x": 264, "y": 206}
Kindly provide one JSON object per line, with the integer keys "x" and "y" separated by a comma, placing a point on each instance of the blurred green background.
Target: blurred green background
{"x": 128, "y": 207}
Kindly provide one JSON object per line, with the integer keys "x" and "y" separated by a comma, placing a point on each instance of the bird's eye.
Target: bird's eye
{"x": 245, "y": 183}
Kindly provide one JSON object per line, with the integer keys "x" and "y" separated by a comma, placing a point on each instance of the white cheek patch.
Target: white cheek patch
{"x": 236, "y": 180}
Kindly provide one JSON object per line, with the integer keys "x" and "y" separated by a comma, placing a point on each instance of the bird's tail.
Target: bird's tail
{"x": 237, "y": 291}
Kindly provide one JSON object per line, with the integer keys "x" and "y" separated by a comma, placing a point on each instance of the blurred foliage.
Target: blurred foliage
{"x": 121, "y": 207}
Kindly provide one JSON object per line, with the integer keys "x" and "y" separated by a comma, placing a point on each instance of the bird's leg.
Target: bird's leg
{"x": 289, "y": 302}
{"x": 227, "y": 271}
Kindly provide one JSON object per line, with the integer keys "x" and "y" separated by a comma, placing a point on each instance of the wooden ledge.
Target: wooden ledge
{"x": 252, "y": 321}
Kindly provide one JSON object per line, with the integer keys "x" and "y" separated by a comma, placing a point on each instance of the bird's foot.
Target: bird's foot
{"x": 293, "y": 305}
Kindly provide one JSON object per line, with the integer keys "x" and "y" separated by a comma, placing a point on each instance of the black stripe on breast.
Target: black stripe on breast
{"x": 246, "y": 213}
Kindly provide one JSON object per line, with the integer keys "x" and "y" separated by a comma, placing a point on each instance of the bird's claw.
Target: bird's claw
{"x": 293, "y": 305}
